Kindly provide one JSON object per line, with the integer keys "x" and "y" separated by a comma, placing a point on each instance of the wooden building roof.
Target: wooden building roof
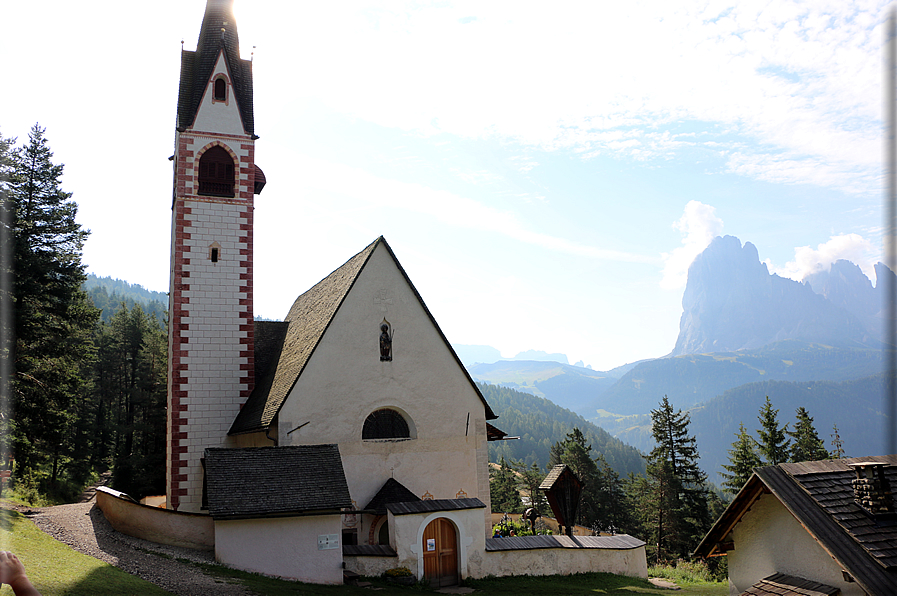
{"x": 258, "y": 482}
{"x": 308, "y": 320}
{"x": 780, "y": 584}
{"x": 820, "y": 496}
{"x": 431, "y": 505}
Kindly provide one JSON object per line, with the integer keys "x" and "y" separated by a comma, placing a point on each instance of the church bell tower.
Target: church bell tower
{"x": 210, "y": 340}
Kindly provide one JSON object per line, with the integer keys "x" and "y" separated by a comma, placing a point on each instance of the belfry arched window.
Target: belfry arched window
{"x": 220, "y": 93}
{"x": 385, "y": 424}
{"x": 216, "y": 173}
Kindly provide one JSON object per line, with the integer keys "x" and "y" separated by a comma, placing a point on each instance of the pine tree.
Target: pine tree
{"x": 807, "y": 445}
{"x": 774, "y": 444}
{"x": 837, "y": 444}
{"x": 503, "y": 489}
{"x": 53, "y": 317}
{"x": 531, "y": 478}
{"x": 679, "y": 502}
{"x": 743, "y": 459}
{"x": 7, "y": 160}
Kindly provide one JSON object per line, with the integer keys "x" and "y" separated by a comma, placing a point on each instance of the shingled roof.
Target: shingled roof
{"x": 257, "y": 482}
{"x": 392, "y": 491}
{"x": 780, "y": 584}
{"x": 821, "y": 497}
{"x": 308, "y": 320}
{"x": 197, "y": 67}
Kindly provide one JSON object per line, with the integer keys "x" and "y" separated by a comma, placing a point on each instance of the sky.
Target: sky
{"x": 544, "y": 173}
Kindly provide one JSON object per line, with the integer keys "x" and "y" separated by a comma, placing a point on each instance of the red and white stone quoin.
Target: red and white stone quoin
{"x": 210, "y": 371}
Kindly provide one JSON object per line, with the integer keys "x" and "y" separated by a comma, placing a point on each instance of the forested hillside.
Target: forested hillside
{"x": 86, "y": 395}
{"x": 855, "y": 406}
{"x": 109, "y": 294}
{"x": 696, "y": 378}
{"x": 540, "y": 424}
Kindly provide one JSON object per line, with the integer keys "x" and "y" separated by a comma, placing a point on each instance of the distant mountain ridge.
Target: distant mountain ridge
{"x": 540, "y": 423}
{"x": 571, "y": 387}
{"x": 732, "y": 302}
{"x": 109, "y": 294}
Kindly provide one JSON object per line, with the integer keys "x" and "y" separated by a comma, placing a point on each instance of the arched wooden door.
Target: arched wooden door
{"x": 440, "y": 545}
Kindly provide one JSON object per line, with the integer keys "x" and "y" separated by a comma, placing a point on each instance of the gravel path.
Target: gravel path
{"x": 83, "y": 527}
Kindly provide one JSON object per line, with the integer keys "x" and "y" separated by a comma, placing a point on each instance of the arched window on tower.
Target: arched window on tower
{"x": 216, "y": 173}
{"x": 220, "y": 89}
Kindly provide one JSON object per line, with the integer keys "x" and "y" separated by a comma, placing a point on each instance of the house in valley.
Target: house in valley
{"x": 823, "y": 527}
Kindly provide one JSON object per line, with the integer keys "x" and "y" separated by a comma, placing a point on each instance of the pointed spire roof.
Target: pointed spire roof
{"x": 217, "y": 34}
{"x": 308, "y": 320}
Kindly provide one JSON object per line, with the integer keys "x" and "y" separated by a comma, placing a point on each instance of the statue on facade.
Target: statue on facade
{"x": 385, "y": 342}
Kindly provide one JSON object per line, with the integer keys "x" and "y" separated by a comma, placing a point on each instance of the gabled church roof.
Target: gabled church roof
{"x": 308, "y": 320}
{"x": 197, "y": 67}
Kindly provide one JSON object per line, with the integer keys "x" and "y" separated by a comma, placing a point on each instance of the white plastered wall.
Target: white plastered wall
{"x": 345, "y": 381}
{"x": 769, "y": 540}
{"x": 283, "y": 547}
{"x": 565, "y": 561}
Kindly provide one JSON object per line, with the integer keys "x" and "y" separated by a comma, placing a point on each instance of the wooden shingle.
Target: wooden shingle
{"x": 258, "y": 482}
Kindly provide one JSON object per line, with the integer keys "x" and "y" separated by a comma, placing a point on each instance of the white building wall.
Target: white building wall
{"x": 283, "y": 547}
{"x": 345, "y": 381}
{"x": 564, "y": 561}
{"x": 769, "y": 540}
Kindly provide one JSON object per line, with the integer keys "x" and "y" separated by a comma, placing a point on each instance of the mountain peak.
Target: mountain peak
{"x": 732, "y": 302}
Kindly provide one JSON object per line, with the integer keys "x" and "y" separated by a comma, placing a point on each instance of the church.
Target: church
{"x": 347, "y": 437}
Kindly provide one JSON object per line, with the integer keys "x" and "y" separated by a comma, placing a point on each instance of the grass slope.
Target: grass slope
{"x": 56, "y": 569}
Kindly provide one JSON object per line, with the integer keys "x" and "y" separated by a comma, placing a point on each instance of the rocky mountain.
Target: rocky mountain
{"x": 845, "y": 285}
{"x": 732, "y": 302}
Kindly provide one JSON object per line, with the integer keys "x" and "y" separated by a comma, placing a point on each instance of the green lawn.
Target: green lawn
{"x": 56, "y": 569}
{"x": 588, "y": 583}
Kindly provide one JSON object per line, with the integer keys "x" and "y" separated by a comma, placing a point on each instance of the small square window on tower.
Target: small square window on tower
{"x": 214, "y": 252}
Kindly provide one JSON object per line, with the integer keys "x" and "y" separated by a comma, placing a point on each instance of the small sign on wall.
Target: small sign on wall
{"x": 328, "y": 541}
{"x": 431, "y": 544}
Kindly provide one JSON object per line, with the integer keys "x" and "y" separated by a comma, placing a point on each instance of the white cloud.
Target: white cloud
{"x": 698, "y": 225}
{"x": 851, "y": 247}
{"x": 797, "y": 82}
{"x": 443, "y": 206}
